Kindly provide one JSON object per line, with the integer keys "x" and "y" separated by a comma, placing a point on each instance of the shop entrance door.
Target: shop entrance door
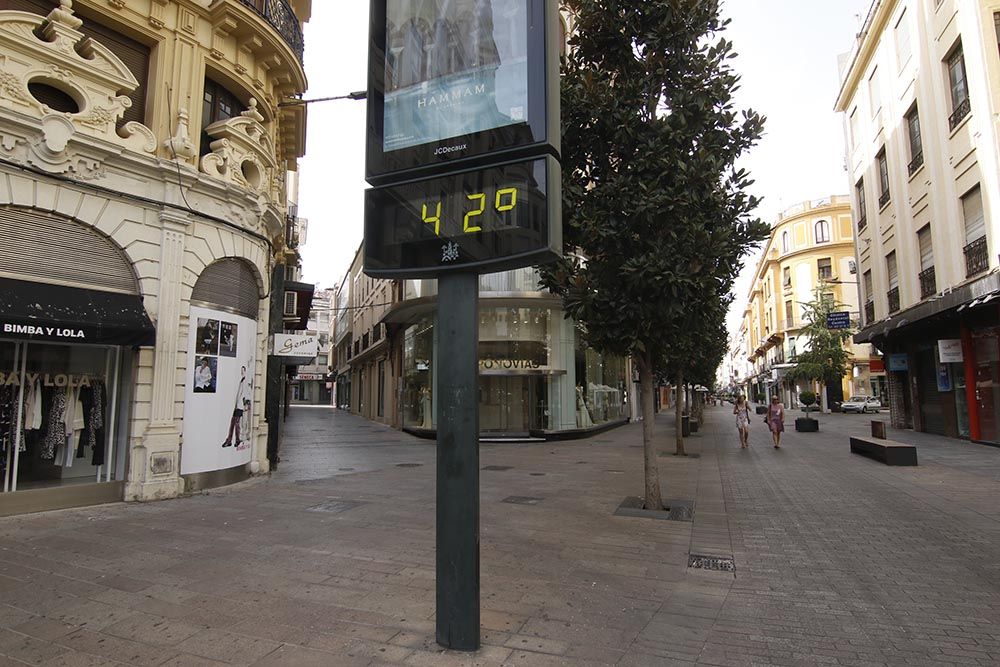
{"x": 988, "y": 386}
{"x": 507, "y": 402}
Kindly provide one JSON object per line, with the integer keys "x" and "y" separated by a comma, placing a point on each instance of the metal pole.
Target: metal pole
{"x": 457, "y": 359}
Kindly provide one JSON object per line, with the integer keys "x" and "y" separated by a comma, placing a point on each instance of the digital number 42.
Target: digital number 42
{"x": 506, "y": 199}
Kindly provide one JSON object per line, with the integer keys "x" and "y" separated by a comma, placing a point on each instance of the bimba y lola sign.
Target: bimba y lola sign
{"x": 67, "y": 333}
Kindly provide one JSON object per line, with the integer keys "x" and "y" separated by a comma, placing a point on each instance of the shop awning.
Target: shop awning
{"x": 39, "y": 311}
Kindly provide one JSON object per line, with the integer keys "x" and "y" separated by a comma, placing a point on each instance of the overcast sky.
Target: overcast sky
{"x": 788, "y": 52}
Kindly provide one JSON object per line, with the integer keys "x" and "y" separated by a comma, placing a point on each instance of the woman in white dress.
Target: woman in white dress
{"x": 742, "y": 411}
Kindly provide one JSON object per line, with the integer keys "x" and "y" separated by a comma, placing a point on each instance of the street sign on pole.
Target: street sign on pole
{"x": 463, "y": 150}
{"x": 838, "y": 320}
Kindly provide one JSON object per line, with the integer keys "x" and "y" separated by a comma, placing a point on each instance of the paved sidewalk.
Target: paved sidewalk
{"x": 330, "y": 561}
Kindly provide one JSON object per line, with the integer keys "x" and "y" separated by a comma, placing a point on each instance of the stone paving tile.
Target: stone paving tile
{"x": 839, "y": 560}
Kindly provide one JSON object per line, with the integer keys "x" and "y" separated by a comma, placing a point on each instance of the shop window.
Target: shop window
{"x": 70, "y": 400}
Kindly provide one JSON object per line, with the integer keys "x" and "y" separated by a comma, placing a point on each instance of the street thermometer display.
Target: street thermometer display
{"x": 489, "y": 219}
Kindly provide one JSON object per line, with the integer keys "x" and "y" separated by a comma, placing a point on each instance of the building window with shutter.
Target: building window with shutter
{"x": 915, "y": 142}
{"x": 883, "y": 179}
{"x": 859, "y": 190}
{"x": 928, "y": 282}
{"x": 218, "y": 103}
{"x": 822, "y": 231}
{"x": 784, "y": 242}
{"x": 824, "y": 268}
{"x": 977, "y": 258}
{"x": 958, "y": 83}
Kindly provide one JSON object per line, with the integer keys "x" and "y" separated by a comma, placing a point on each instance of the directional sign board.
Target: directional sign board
{"x": 838, "y": 320}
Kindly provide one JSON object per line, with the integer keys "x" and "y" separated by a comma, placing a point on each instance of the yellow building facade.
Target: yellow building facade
{"x": 810, "y": 243}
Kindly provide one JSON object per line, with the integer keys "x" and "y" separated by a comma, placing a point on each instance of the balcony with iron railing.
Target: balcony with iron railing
{"x": 291, "y": 232}
{"x": 862, "y": 224}
{"x": 281, "y": 17}
{"x": 893, "y": 300}
{"x": 928, "y": 282}
{"x": 915, "y": 163}
{"x": 869, "y": 312}
{"x": 883, "y": 199}
{"x": 961, "y": 111}
{"x": 977, "y": 258}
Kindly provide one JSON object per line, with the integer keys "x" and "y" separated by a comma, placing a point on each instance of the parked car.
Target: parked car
{"x": 861, "y": 404}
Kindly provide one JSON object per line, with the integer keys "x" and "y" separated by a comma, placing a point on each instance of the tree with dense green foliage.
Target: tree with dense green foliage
{"x": 827, "y": 357}
{"x": 656, "y": 214}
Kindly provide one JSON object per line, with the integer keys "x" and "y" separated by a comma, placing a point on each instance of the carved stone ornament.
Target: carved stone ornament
{"x": 242, "y": 153}
{"x": 84, "y": 70}
{"x": 180, "y": 146}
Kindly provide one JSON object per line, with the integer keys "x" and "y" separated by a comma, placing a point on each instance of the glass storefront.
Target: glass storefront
{"x": 61, "y": 420}
{"x": 535, "y": 374}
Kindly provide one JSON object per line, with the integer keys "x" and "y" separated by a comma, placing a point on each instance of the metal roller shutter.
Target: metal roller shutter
{"x": 229, "y": 283}
{"x": 42, "y": 247}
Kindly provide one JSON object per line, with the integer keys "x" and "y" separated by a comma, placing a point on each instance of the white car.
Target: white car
{"x": 861, "y": 404}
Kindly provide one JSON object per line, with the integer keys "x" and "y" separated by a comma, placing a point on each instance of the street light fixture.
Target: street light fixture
{"x": 356, "y": 95}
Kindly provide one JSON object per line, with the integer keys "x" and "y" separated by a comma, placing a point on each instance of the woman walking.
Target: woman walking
{"x": 742, "y": 411}
{"x": 776, "y": 420}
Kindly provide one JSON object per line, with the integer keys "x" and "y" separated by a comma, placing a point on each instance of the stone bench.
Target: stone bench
{"x": 889, "y": 452}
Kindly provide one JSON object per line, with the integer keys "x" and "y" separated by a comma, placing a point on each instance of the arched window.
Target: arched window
{"x": 784, "y": 241}
{"x": 822, "y": 231}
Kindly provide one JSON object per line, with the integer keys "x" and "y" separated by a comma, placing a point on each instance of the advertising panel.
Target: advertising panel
{"x": 218, "y": 405}
{"x": 453, "y": 68}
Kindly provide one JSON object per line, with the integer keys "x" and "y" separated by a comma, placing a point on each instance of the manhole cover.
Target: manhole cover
{"x": 408, "y": 465}
{"x": 496, "y": 468}
{"x": 522, "y": 500}
{"x": 335, "y": 506}
{"x": 716, "y": 563}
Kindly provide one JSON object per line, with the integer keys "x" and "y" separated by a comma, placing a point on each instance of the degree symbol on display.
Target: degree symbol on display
{"x": 505, "y": 200}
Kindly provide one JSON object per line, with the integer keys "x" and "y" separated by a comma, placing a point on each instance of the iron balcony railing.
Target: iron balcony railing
{"x": 928, "y": 282}
{"x": 883, "y": 199}
{"x": 893, "y": 300}
{"x": 977, "y": 257}
{"x": 281, "y": 17}
{"x": 916, "y": 163}
{"x": 862, "y": 223}
{"x": 961, "y": 111}
{"x": 870, "y": 311}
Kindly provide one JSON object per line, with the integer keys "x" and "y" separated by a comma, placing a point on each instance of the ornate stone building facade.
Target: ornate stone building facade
{"x": 144, "y": 198}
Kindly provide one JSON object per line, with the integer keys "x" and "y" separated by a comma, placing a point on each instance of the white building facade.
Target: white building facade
{"x": 921, "y": 99}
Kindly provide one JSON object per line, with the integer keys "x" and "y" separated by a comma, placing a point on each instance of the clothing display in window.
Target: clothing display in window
{"x": 55, "y": 430}
{"x": 94, "y": 399}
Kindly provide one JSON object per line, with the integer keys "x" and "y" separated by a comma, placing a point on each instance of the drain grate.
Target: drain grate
{"x": 335, "y": 506}
{"x": 522, "y": 500}
{"x": 409, "y": 465}
{"x": 714, "y": 563}
{"x": 616, "y": 472}
{"x": 687, "y": 456}
{"x": 537, "y": 474}
{"x": 496, "y": 468}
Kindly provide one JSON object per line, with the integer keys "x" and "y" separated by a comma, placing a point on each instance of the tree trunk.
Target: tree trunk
{"x": 653, "y": 498}
{"x": 679, "y": 413}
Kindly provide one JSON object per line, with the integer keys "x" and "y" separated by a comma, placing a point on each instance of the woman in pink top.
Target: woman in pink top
{"x": 776, "y": 420}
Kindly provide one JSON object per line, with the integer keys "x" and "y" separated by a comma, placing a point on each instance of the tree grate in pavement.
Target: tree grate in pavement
{"x": 409, "y": 465}
{"x": 333, "y": 506}
{"x": 673, "y": 510}
{"x": 522, "y": 500}
{"x": 714, "y": 563}
{"x": 496, "y": 468}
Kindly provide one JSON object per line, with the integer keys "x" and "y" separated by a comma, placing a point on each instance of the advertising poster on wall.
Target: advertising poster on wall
{"x": 218, "y": 406}
{"x": 453, "y": 67}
